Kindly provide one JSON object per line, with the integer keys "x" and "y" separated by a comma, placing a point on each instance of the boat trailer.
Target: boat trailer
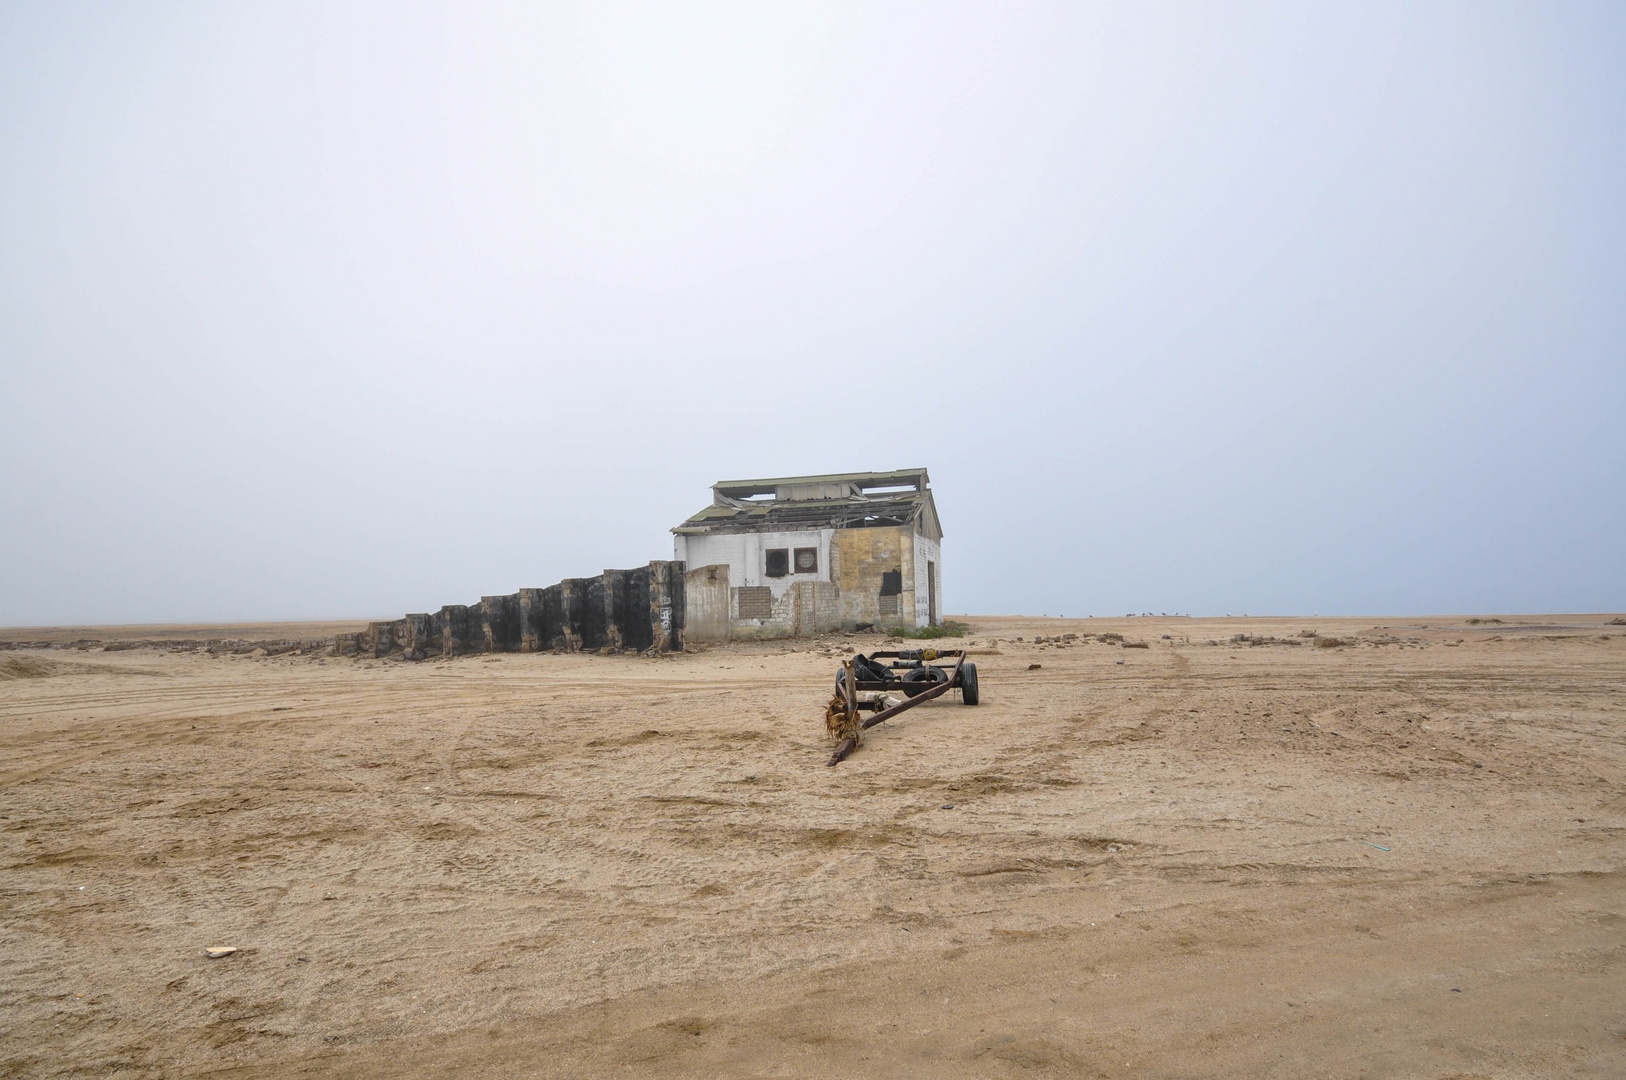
{"x": 914, "y": 673}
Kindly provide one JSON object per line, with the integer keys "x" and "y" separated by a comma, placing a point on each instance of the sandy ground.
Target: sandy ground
{"x": 1402, "y": 857}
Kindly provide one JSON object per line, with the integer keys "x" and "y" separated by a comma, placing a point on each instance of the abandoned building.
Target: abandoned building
{"x": 806, "y": 554}
{"x": 768, "y": 558}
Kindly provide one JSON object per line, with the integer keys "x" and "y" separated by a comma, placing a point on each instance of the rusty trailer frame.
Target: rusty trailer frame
{"x": 961, "y": 676}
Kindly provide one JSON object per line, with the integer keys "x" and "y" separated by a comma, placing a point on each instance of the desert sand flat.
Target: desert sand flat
{"x": 1401, "y": 853}
{"x": 171, "y": 633}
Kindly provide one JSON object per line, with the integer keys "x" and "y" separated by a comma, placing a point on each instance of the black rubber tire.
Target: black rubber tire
{"x": 968, "y": 684}
{"x": 866, "y": 669}
{"x": 921, "y": 679}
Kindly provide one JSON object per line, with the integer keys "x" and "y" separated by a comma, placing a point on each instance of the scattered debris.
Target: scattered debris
{"x": 1034, "y": 667}
{"x": 215, "y": 952}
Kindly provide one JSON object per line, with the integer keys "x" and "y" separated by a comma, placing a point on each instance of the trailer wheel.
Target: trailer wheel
{"x": 921, "y": 679}
{"x": 968, "y": 684}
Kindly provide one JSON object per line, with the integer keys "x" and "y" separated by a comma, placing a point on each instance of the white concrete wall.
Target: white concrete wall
{"x": 707, "y": 597}
{"x": 744, "y": 554}
{"x": 927, "y": 550}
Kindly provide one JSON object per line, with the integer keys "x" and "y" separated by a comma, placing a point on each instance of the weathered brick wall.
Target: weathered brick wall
{"x": 826, "y": 607}
{"x": 859, "y": 558}
{"x": 805, "y": 607}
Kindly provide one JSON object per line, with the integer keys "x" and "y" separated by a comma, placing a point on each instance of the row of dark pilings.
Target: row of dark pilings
{"x": 637, "y": 610}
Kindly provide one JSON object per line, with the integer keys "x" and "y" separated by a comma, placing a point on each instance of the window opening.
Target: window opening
{"x": 778, "y": 562}
{"x": 807, "y": 560}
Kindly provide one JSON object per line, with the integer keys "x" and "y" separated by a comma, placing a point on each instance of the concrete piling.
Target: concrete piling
{"x": 619, "y": 610}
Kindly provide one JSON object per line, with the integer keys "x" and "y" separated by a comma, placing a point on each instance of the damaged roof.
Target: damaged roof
{"x": 830, "y": 501}
{"x": 855, "y": 482}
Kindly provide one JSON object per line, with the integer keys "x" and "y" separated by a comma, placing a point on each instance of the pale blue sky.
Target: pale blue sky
{"x": 351, "y": 310}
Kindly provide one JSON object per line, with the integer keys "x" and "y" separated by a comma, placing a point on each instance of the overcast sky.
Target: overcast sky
{"x": 358, "y": 309}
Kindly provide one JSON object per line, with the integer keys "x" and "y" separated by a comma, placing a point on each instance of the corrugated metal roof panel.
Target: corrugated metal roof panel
{"x": 808, "y": 514}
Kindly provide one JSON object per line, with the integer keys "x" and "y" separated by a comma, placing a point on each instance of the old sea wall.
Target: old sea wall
{"x": 637, "y": 610}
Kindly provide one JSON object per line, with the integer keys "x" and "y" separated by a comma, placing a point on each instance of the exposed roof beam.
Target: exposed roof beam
{"x": 745, "y": 489}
